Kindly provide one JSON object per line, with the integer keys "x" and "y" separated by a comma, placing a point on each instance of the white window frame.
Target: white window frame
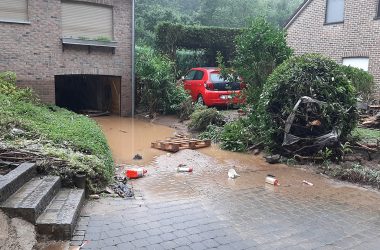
{"x": 359, "y": 62}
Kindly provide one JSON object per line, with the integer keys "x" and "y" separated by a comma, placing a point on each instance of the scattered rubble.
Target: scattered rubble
{"x": 372, "y": 121}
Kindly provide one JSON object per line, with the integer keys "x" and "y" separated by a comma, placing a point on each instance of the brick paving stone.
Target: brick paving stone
{"x": 213, "y": 215}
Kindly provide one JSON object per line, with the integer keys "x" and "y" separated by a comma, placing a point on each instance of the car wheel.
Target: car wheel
{"x": 200, "y": 100}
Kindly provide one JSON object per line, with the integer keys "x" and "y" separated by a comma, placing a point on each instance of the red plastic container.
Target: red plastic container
{"x": 135, "y": 173}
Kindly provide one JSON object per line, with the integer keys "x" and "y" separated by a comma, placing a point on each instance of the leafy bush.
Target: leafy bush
{"x": 156, "y": 82}
{"x": 362, "y": 81}
{"x": 212, "y": 132}
{"x": 8, "y": 87}
{"x": 309, "y": 75}
{"x": 203, "y": 117}
{"x": 236, "y": 136}
{"x": 259, "y": 50}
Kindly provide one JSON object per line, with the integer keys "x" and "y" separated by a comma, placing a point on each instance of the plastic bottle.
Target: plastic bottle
{"x": 184, "y": 169}
{"x": 135, "y": 173}
{"x": 270, "y": 179}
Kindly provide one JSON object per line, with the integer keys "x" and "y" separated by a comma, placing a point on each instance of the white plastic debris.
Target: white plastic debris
{"x": 232, "y": 174}
{"x": 307, "y": 183}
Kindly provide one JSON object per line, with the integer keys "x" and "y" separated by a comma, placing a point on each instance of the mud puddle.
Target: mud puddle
{"x": 128, "y": 137}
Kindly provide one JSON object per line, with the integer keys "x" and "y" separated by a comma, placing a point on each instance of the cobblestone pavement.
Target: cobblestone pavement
{"x": 205, "y": 210}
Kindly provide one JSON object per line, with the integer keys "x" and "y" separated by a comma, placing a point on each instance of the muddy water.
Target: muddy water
{"x": 128, "y": 137}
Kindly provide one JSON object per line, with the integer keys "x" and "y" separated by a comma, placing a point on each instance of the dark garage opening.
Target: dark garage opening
{"x": 88, "y": 93}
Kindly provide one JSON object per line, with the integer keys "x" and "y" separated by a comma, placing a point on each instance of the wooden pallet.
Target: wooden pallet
{"x": 175, "y": 144}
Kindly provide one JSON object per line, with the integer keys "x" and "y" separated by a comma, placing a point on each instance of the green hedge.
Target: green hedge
{"x": 170, "y": 37}
{"x": 361, "y": 80}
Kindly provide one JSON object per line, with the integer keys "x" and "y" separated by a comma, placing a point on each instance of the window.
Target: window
{"x": 14, "y": 10}
{"x": 190, "y": 75}
{"x": 87, "y": 21}
{"x": 357, "y": 62}
{"x": 198, "y": 75}
{"x": 334, "y": 11}
{"x": 378, "y": 10}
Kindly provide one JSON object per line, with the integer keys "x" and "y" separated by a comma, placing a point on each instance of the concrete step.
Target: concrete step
{"x": 32, "y": 198}
{"x": 12, "y": 181}
{"x": 59, "y": 219}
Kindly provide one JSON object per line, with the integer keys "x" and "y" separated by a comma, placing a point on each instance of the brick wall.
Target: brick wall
{"x": 34, "y": 51}
{"x": 359, "y": 35}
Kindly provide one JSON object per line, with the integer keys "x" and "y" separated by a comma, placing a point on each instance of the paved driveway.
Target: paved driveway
{"x": 205, "y": 210}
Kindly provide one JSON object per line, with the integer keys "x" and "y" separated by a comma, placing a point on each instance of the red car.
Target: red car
{"x": 207, "y": 87}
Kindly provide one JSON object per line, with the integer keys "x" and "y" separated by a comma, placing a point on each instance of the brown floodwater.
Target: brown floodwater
{"x": 128, "y": 137}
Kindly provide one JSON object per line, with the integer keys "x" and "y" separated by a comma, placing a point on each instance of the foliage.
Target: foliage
{"x": 356, "y": 174}
{"x": 156, "y": 82}
{"x": 171, "y": 37}
{"x": 362, "y": 81}
{"x": 186, "y": 109}
{"x": 150, "y": 13}
{"x": 212, "y": 132}
{"x": 236, "y": 136}
{"x": 187, "y": 59}
{"x": 366, "y": 134}
{"x": 218, "y": 13}
{"x": 203, "y": 117}
{"x": 259, "y": 50}
{"x": 60, "y": 134}
{"x": 8, "y": 87}
{"x": 309, "y": 75}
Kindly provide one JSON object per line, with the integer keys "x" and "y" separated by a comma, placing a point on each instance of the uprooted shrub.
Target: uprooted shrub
{"x": 203, "y": 117}
{"x": 316, "y": 77}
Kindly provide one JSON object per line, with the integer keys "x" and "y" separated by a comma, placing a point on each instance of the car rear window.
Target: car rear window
{"x": 217, "y": 78}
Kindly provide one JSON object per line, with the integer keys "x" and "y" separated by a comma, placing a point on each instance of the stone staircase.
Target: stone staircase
{"x": 41, "y": 201}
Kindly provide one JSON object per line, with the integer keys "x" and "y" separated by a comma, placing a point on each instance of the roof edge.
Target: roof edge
{"x": 296, "y": 13}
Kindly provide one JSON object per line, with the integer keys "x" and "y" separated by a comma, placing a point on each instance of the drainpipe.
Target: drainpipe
{"x": 133, "y": 59}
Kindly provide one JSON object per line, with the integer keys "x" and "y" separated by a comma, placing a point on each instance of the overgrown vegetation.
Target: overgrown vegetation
{"x": 218, "y": 13}
{"x": 156, "y": 85}
{"x": 203, "y": 117}
{"x": 314, "y": 76}
{"x": 171, "y": 37}
{"x": 259, "y": 50}
{"x": 68, "y": 143}
{"x": 361, "y": 80}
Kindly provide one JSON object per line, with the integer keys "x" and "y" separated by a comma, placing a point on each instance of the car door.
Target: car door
{"x": 198, "y": 83}
{"x": 188, "y": 83}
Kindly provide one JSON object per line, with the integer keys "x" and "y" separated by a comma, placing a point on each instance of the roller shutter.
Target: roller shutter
{"x": 86, "y": 20}
{"x": 14, "y": 10}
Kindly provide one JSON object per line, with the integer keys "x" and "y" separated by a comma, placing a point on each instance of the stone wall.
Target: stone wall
{"x": 35, "y": 52}
{"x": 357, "y": 36}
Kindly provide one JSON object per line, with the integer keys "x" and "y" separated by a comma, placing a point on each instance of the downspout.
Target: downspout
{"x": 133, "y": 59}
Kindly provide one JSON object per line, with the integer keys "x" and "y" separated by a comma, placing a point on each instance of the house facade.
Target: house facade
{"x": 73, "y": 53}
{"x": 348, "y": 31}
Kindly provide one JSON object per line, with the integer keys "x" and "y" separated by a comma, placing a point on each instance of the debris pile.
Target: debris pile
{"x": 372, "y": 121}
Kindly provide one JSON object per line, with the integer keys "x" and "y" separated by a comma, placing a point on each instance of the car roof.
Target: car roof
{"x": 209, "y": 69}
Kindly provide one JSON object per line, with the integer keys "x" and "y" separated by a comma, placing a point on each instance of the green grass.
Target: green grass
{"x": 366, "y": 134}
{"x": 63, "y": 134}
